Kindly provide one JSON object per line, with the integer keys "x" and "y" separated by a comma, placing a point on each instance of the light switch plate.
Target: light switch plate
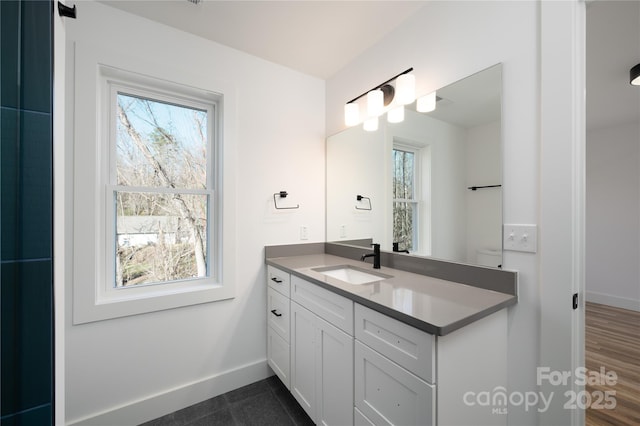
{"x": 520, "y": 238}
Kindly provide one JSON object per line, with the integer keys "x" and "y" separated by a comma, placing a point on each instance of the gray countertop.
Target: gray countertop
{"x": 434, "y": 305}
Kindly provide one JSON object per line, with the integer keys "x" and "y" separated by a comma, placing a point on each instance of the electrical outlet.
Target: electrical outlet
{"x": 343, "y": 231}
{"x": 521, "y": 238}
{"x": 304, "y": 232}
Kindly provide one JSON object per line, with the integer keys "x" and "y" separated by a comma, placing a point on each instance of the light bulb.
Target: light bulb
{"x": 426, "y": 103}
{"x": 396, "y": 115}
{"x": 405, "y": 89}
{"x": 351, "y": 114}
{"x": 371, "y": 124}
{"x": 375, "y": 103}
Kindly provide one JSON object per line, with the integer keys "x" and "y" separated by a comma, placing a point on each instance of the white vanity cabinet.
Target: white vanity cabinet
{"x": 348, "y": 364}
{"x": 405, "y": 376}
{"x": 322, "y": 353}
{"x": 278, "y": 320}
{"x": 394, "y": 371}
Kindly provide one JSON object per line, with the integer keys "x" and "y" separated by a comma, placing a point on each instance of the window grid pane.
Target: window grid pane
{"x": 159, "y": 144}
{"x": 403, "y": 224}
{"x": 160, "y": 237}
{"x": 403, "y": 174}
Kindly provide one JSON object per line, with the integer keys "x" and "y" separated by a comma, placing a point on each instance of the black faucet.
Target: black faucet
{"x": 375, "y": 255}
{"x": 396, "y": 248}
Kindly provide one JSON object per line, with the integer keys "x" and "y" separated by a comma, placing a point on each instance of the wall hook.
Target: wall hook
{"x": 66, "y": 11}
{"x": 283, "y": 194}
{"x": 360, "y": 198}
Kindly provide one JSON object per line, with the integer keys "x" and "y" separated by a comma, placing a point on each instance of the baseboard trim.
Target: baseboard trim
{"x": 615, "y": 301}
{"x": 179, "y": 397}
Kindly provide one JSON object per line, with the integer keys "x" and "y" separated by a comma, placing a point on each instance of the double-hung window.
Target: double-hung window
{"x": 148, "y": 189}
{"x": 161, "y": 189}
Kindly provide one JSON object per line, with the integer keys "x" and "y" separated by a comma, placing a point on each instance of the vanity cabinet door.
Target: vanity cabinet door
{"x": 321, "y": 368}
{"x": 278, "y": 356}
{"x": 303, "y": 358}
{"x": 387, "y": 394}
{"x": 335, "y": 375}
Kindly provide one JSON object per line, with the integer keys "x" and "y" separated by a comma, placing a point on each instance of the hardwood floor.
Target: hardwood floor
{"x": 612, "y": 341}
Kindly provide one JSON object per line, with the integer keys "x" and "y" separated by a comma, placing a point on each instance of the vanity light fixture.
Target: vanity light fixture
{"x": 379, "y": 97}
{"x": 396, "y": 115}
{"x": 426, "y": 103}
{"x": 634, "y": 75}
{"x": 406, "y": 89}
{"x": 371, "y": 124}
{"x": 375, "y": 103}
{"x": 351, "y": 114}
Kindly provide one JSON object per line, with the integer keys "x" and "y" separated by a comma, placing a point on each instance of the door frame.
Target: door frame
{"x": 562, "y": 202}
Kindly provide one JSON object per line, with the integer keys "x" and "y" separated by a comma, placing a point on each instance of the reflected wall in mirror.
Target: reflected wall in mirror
{"x": 414, "y": 177}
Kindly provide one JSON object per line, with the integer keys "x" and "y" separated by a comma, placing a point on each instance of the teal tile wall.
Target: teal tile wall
{"x": 26, "y": 235}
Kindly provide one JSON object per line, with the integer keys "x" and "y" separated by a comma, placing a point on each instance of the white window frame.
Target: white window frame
{"x": 98, "y": 73}
{"x": 108, "y": 291}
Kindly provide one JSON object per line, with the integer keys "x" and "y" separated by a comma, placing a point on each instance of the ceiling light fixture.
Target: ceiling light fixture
{"x": 634, "y": 75}
{"x": 380, "y": 97}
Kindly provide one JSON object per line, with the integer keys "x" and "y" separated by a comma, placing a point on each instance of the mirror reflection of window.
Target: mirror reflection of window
{"x": 405, "y": 198}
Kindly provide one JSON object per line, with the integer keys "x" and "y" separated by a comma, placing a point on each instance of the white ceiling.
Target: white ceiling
{"x": 319, "y": 38}
{"x": 315, "y": 37}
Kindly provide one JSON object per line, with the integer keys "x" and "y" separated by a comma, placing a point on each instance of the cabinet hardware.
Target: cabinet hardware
{"x": 274, "y": 312}
{"x": 575, "y": 300}
{"x": 275, "y": 280}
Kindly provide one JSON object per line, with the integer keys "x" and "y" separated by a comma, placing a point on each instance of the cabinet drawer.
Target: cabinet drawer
{"x": 278, "y": 356}
{"x": 329, "y": 306}
{"x": 387, "y": 394}
{"x": 411, "y": 348}
{"x": 278, "y": 313}
{"x": 278, "y": 280}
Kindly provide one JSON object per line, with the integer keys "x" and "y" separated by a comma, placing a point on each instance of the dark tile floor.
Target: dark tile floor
{"x": 263, "y": 403}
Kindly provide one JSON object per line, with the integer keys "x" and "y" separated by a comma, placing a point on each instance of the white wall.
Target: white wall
{"x": 445, "y": 42}
{"x": 483, "y": 206}
{"x": 613, "y": 216}
{"x": 133, "y": 363}
{"x": 613, "y": 155}
{"x": 358, "y": 166}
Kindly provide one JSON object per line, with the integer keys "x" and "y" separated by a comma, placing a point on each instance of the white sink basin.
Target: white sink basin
{"x": 351, "y": 274}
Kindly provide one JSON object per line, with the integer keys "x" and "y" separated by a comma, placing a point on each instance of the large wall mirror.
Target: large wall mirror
{"x": 431, "y": 184}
